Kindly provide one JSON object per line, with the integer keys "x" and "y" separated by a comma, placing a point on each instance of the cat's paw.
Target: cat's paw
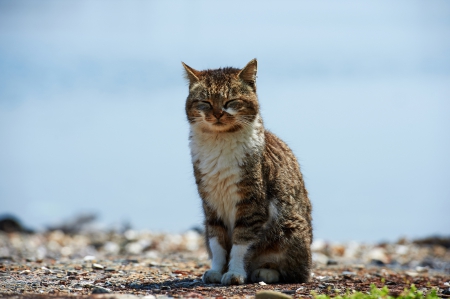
{"x": 233, "y": 277}
{"x": 212, "y": 276}
{"x": 266, "y": 275}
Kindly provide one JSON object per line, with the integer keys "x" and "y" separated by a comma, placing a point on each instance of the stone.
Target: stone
{"x": 319, "y": 258}
{"x": 135, "y": 285}
{"x": 97, "y": 266}
{"x": 271, "y": 295}
{"x": 89, "y": 258}
{"x": 421, "y": 269}
{"x": 289, "y": 292}
{"x": 100, "y": 290}
{"x": 25, "y": 272}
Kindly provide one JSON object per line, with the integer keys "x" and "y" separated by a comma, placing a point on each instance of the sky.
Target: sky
{"x": 92, "y": 108}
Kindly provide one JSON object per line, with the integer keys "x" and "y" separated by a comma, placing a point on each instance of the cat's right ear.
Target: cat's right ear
{"x": 191, "y": 74}
{"x": 248, "y": 73}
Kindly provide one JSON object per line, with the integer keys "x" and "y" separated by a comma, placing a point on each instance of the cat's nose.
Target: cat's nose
{"x": 218, "y": 114}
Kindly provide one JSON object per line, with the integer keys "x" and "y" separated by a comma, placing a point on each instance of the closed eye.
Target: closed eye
{"x": 203, "y": 105}
{"x": 234, "y": 104}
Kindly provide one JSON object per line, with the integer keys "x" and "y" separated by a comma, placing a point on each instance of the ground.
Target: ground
{"x": 110, "y": 264}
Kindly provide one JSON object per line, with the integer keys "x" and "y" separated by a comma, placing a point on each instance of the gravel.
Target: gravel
{"x": 132, "y": 264}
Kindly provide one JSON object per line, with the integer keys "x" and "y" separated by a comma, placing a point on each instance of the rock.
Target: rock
{"x": 324, "y": 278}
{"x": 118, "y": 296}
{"x": 288, "y": 292}
{"x": 412, "y": 274}
{"x": 377, "y": 263}
{"x": 338, "y": 250}
{"x": 25, "y": 272}
{"x": 271, "y": 295}
{"x": 71, "y": 272}
{"x": 422, "y": 269}
{"x": 10, "y": 224}
{"x": 89, "y": 258}
{"x": 135, "y": 285}
{"x": 378, "y": 254}
{"x": 100, "y": 290}
{"x": 262, "y": 283}
{"x": 111, "y": 247}
{"x": 97, "y": 266}
{"x": 319, "y": 258}
{"x": 332, "y": 262}
{"x": 318, "y": 246}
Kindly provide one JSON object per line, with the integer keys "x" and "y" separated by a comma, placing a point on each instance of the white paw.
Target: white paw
{"x": 266, "y": 275}
{"x": 232, "y": 277}
{"x": 212, "y": 276}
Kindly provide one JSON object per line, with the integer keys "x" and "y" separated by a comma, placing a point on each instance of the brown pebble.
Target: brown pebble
{"x": 271, "y": 295}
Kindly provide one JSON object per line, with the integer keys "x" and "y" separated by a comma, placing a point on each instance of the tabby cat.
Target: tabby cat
{"x": 257, "y": 211}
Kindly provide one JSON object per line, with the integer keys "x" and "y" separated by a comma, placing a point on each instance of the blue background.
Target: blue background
{"x": 92, "y": 108}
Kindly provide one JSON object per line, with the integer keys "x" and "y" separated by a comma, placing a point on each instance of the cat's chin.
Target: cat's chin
{"x": 220, "y": 127}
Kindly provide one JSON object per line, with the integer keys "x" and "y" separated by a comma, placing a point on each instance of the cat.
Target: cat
{"x": 256, "y": 207}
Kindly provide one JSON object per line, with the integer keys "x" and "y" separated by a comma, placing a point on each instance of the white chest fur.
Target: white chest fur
{"x": 219, "y": 157}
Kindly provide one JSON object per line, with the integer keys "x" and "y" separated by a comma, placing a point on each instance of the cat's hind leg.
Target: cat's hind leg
{"x": 266, "y": 275}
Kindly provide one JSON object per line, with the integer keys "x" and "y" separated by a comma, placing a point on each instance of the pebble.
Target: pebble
{"x": 176, "y": 262}
{"x": 89, "y": 258}
{"x": 100, "y": 290}
{"x": 25, "y": 272}
{"x": 262, "y": 283}
{"x": 348, "y": 273}
{"x": 422, "y": 269}
{"x": 110, "y": 269}
{"x": 324, "y": 278}
{"x": 288, "y": 291}
{"x": 271, "y": 295}
{"x": 135, "y": 285}
{"x": 97, "y": 266}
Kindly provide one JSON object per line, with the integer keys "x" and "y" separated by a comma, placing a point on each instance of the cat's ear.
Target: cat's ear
{"x": 248, "y": 73}
{"x": 191, "y": 74}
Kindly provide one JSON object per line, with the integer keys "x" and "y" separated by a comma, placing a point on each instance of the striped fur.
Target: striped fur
{"x": 257, "y": 211}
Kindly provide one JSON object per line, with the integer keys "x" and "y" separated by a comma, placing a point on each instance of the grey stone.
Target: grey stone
{"x": 100, "y": 290}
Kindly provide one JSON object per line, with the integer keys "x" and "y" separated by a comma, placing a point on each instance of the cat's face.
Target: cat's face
{"x": 222, "y": 100}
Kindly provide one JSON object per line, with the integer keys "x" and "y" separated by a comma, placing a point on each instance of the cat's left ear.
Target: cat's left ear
{"x": 248, "y": 73}
{"x": 191, "y": 74}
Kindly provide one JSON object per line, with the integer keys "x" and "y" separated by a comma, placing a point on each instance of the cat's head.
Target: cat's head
{"x": 222, "y": 100}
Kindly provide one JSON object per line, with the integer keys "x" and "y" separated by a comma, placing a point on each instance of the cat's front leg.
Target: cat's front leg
{"x": 219, "y": 259}
{"x": 217, "y": 238}
{"x": 249, "y": 220}
{"x": 236, "y": 268}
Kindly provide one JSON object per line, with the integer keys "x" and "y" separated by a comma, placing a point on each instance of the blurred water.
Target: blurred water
{"x": 92, "y": 108}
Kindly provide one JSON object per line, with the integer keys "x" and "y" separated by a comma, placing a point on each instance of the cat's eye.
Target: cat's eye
{"x": 203, "y": 105}
{"x": 233, "y": 104}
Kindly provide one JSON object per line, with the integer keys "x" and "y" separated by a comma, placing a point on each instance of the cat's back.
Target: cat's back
{"x": 284, "y": 179}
